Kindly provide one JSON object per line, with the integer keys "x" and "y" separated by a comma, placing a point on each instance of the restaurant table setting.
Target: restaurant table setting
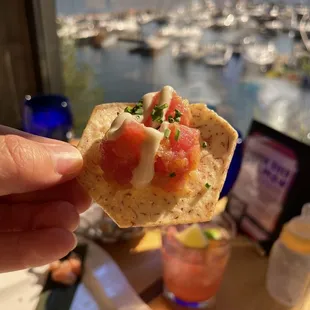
{"x": 103, "y": 286}
{"x": 222, "y": 264}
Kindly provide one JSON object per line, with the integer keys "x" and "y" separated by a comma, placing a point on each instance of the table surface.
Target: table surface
{"x": 243, "y": 286}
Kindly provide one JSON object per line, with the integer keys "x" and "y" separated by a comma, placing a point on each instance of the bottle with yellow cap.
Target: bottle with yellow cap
{"x": 288, "y": 274}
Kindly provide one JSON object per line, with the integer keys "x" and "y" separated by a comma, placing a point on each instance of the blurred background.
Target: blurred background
{"x": 222, "y": 53}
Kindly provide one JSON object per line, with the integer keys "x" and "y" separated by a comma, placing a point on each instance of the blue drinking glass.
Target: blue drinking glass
{"x": 48, "y": 116}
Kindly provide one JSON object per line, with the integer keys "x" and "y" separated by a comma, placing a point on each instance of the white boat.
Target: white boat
{"x": 122, "y": 25}
{"x": 274, "y": 25}
{"x": 109, "y": 40}
{"x": 67, "y": 27}
{"x": 203, "y": 19}
{"x": 156, "y": 42}
{"x": 218, "y": 54}
{"x": 226, "y": 21}
{"x": 105, "y": 39}
{"x": 67, "y": 31}
{"x": 258, "y": 10}
{"x": 85, "y": 36}
{"x": 261, "y": 53}
{"x": 205, "y": 24}
{"x": 202, "y": 16}
{"x": 275, "y": 11}
{"x": 185, "y": 49}
{"x": 181, "y": 32}
{"x": 145, "y": 18}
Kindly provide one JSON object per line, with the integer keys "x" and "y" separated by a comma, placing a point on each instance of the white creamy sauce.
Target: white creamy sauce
{"x": 165, "y": 98}
{"x": 164, "y": 126}
{"x": 115, "y": 130}
{"x": 147, "y": 102}
{"x": 143, "y": 174}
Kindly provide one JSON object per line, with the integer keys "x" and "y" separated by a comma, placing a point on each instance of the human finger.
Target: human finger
{"x": 70, "y": 191}
{"x": 20, "y": 250}
{"x": 25, "y": 216}
{"x": 27, "y": 165}
{"x": 4, "y": 130}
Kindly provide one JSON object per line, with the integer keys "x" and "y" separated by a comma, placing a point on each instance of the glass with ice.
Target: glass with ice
{"x": 194, "y": 260}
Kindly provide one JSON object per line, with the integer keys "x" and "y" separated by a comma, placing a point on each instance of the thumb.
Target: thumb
{"x": 27, "y": 165}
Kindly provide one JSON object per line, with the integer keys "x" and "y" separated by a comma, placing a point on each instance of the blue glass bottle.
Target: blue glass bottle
{"x": 48, "y": 116}
{"x": 235, "y": 164}
{"x": 234, "y": 167}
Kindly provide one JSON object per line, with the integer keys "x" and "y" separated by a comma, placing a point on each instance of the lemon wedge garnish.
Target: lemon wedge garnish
{"x": 192, "y": 237}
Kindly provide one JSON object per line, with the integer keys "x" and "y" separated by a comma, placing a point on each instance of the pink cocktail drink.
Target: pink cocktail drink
{"x": 194, "y": 275}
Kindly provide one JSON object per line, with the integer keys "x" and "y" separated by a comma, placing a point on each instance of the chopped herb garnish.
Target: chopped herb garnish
{"x": 163, "y": 106}
{"x": 172, "y": 174}
{"x": 170, "y": 119}
{"x": 167, "y": 133}
{"x": 176, "y": 118}
{"x": 207, "y": 185}
{"x": 204, "y": 144}
{"x": 140, "y": 101}
{"x": 157, "y": 113}
{"x": 128, "y": 109}
{"x": 177, "y": 135}
{"x": 136, "y": 110}
{"x": 177, "y": 113}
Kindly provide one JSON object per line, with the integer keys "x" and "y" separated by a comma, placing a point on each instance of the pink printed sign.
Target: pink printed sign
{"x": 267, "y": 172}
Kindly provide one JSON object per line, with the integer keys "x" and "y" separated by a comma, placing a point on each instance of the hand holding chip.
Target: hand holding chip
{"x": 40, "y": 200}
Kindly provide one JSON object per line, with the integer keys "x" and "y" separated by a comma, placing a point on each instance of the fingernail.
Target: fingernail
{"x": 67, "y": 159}
{"x": 75, "y": 241}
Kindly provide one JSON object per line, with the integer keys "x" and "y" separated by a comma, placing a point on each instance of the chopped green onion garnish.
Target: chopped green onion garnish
{"x": 167, "y": 133}
{"x": 157, "y": 113}
{"x": 170, "y": 119}
{"x": 172, "y": 175}
{"x": 207, "y": 185}
{"x": 204, "y": 144}
{"x": 177, "y": 113}
{"x": 161, "y": 107}
{"x": 128, "y": 109}
{"x": 176, "y": 118}
{"x": 177, "y": 135}
{"x": 136, "y": 110}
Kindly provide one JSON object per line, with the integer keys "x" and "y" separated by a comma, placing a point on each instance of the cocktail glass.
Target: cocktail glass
{"x": 192, "y": 276}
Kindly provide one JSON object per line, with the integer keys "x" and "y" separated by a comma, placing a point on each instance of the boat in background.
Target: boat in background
{"x": 151, "y": 46}
{"x": 104, "y": 39}
{"x": 175, "y": 31}
{"x": 85, "y": 36}
{"x": 185, "y": 49}
{"x": 218, "y": 54}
